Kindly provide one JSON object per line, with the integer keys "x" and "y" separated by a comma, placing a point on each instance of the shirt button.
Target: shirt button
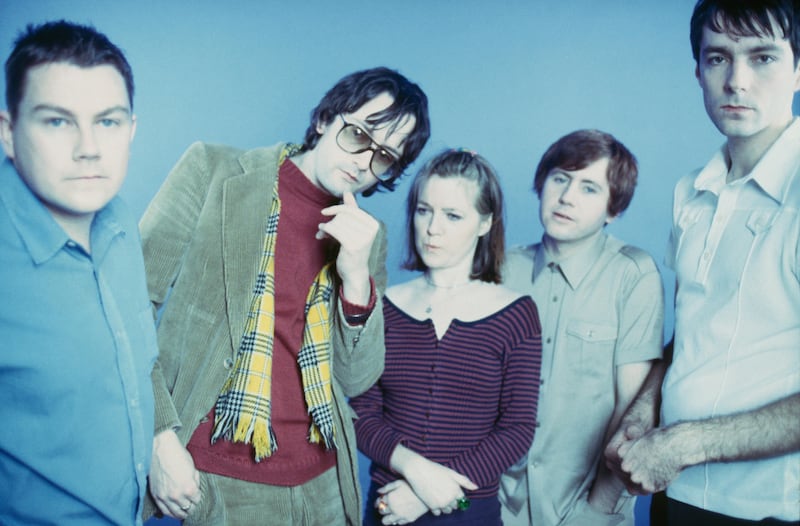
{"x": 535, "y": 464}
{"x": 134, "y": 402}
{"x": 541, "y": 381}
{"x": 555, "y": 299}
{"x": 140, "y": 467}
{"x": 355, "y": 340}
{"x": 204, "y": 420}
{"x": 228, "y": 363}
{"x": 548, "y": 340}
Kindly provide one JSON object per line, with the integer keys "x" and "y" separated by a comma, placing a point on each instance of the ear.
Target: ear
{"x": 610, "y": 219}
{"x": 697, "y": 72}
{"x": 321, "y": 127}
{"x": 6, "y": 137}
{"x": 485, "y": 225}
{"x": 133, "y": 128}
{"x": 797, "y": 77}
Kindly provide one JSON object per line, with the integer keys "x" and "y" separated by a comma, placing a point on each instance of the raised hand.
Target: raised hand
{"x": 355, "y": 230}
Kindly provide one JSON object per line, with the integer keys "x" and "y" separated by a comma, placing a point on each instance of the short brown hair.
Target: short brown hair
{"x": 579, "y": 149}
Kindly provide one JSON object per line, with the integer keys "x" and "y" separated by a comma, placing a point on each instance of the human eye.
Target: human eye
{"x": 452, "y": 216}
{"x": 421, "y": 210}
{"x": 558, "y": 177}
{"x": 56, "y": 122}
{"x": 108, "y": 123}
{"x": 386, "y": 158}
{"x": 764, "y": 59}
{"x": 357, "y": 134}
{"x": 590, "y": 189}
{"x": 714, "y": 60}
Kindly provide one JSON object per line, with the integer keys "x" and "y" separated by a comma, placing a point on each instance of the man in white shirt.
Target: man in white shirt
{"x": 728, "y": 445}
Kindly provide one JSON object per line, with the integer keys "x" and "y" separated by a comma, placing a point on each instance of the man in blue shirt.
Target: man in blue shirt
{"x": 77, "y": 341}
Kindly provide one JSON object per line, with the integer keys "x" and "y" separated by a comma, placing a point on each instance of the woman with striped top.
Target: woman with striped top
{"x": 456, "y": 404}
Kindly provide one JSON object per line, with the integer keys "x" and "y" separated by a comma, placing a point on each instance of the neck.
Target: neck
{"x": 559, "y": 250}
{"x": 77, "y": 228}
{"x": 745, "y": 152}
{"x": 447, "y": 278}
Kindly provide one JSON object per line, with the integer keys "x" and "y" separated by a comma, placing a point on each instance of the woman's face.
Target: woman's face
{"x": 446, "y": 223}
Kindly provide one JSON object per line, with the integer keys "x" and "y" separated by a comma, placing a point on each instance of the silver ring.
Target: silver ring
{"x": 187, "y": 507}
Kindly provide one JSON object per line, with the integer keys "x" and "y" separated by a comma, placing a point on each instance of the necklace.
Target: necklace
{"x": 436, "y": 286}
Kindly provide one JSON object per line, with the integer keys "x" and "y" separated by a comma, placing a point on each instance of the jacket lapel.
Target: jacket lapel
{"x": 246, "y": 202}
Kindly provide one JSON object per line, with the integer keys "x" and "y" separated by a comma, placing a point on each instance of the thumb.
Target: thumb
{"x": 634, "y": 431}
{"x": 349, "y": 199}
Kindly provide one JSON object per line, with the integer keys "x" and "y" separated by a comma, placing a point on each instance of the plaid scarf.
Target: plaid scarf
{"x": 243, "y": 410}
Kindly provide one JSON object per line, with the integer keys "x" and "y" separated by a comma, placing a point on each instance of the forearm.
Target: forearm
{"x": 769, "y": 431}
{"x": 404, "y": 460}
{"x": 646, "y": 405}
{"x": 376, "y": 438}
{"x": 606, "y": 490}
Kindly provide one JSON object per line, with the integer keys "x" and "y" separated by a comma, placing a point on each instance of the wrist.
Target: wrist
{"x": 357, "y": 289}
{"x": 688, "y": 442}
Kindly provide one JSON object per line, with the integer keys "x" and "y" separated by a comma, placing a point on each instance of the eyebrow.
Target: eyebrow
{"x": 762, "y": 48}
{"x": 571, "y": 177}
{"x": 65, "y": 112}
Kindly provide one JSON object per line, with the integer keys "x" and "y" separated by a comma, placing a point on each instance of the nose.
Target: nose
{"x": 363, "y": 160}
{"x": 434, "y": 224}
{"x": 567, "y": 194}
{"x": 86, "y": 146}
{"x": 738, "y": 76}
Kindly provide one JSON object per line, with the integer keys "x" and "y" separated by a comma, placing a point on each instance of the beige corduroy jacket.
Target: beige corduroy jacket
{"x": 202, "y": 237}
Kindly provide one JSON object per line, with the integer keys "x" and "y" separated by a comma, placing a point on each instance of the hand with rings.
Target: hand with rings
{"x": 398, "y": 504}
{"x": 382, "y": 506}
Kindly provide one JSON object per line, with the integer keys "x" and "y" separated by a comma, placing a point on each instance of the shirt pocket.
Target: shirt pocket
{"x": 590, "y": 349}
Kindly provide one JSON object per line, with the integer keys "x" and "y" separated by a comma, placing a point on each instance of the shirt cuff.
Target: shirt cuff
{"x": 358, "y": 314}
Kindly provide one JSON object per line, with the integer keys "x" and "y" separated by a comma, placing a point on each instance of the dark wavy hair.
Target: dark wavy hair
{"x": 490, "y": 251}
{"x": 355, "y": 90}
{"x": 579, "y": 149}
{"x": 747, "y": 18}
{"x": 60, "y": 41}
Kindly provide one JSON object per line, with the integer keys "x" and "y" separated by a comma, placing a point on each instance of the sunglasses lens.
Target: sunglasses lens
{"x": 353, "y": 139}
{"x": 381, "y": 162}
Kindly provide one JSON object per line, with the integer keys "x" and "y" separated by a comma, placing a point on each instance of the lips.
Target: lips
{"x": 561, "y": 217}
{"x": 735, "y": 108}
{"x": 350, "y": 177}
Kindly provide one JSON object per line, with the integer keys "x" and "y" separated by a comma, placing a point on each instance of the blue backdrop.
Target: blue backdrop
{"x": 505, "y": 78}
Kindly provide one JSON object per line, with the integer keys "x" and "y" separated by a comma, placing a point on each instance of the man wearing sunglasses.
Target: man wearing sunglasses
{"x": 274, "y": 277}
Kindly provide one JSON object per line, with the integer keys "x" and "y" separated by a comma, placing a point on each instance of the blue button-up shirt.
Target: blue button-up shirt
{"x": 77, "y": 344}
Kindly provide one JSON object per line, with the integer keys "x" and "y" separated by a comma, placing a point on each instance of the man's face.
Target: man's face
{"x": 71, "y": 138}
{"x": 334, "y": 170}
{"x": 574, "y": 204}
{"x": 748, "y": 84}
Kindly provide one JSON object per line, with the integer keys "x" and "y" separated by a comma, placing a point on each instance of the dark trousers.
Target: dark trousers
{"x": 681, "y": 514}
{"x": 481, "y": 512}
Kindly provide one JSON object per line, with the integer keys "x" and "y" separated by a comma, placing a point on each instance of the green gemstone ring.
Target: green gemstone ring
{"x": 463, "y": 503}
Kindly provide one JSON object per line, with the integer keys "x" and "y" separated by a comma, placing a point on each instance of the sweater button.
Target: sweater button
{"x": 228, "y": 363}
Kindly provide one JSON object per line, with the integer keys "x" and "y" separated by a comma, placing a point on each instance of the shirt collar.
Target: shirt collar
{"x": 40, "y": 233}
{"x": 771, "y": 173}
{"x": 574, "y": 267}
